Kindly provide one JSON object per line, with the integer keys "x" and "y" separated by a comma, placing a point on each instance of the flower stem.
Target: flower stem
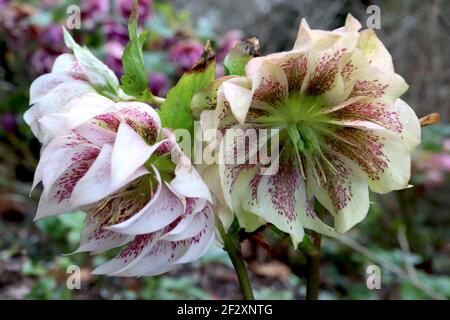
{"x": 233, "y": 248}
{"x": 312, "y": 254}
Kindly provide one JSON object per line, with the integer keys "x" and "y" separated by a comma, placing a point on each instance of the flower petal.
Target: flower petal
{"x": 132, "y": 254}
{"x": 381, "y": 154}
{"x": 66, "y": 62}
{"x": 375, "y": 51}
{"x": 324, "y": 75}
{"x": 45, "y": 83}
{"x": 189, "y": 183}
{"x": 130, "y": 152}
{"x": 96, "y": 239}
{"x": 163, "y": 208}
{"x": 167, "y": 254}
{"x": 312, "y": 221}
{"x": 280, "y": 198}
{"x": 54, "y": 101}
{"x": 342, "y": 189}
{"x": 141, "y": 117}
{"x": 75, "y": 112}
{"x": 308, "y": 38}
{"x": 238, "y": 97}
{"x": 376, "y": 83}
{"x": 411, "y": 132}
{"x": 270, "y": 83}
{"x": 190, "y": 223}
{"x": 95, "y": 183}
{"x": 398, "y": 118}
{"x": 56, "y": 197}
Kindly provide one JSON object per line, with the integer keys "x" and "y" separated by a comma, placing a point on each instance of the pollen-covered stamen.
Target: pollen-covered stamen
{"x": 336, "y": 183}
{"x": 123, "y": 204}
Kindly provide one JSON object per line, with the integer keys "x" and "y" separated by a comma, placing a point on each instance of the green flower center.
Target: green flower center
{"x": 301, "y": 120}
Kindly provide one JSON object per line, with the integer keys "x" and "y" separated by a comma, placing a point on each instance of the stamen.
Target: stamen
{"x": 335, "y": 171}
{"x": 319, "y": 165}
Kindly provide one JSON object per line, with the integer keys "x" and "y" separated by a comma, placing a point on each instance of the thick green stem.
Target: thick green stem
{"x": 233, "y": 248}
{"x": 313, "y": 268}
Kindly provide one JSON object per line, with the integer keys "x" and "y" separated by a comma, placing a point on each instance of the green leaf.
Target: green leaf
{"x": 175, "y": 112}
{"x": 135, "y": 80}
{"x": 239, "y": 55}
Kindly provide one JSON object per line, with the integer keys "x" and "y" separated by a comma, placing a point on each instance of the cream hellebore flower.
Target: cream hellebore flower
{"x": 66, "y": 96}
{"x": 343, "y": 129}
{"x": 136, "y": 187}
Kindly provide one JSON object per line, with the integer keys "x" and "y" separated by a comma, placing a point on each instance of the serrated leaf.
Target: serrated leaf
{"x": 175, "y": 112}
{"x": 134, "y": 82}
{"x": 239, "y": 55}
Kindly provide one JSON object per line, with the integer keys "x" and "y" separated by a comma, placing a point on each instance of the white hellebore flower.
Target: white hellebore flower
{"x": 119, "y": 167}
{"x": 68, "y": 92}
{"x": 343, "y": 129}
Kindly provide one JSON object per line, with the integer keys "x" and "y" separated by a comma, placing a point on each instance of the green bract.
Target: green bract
{"x": 97, "y": 73}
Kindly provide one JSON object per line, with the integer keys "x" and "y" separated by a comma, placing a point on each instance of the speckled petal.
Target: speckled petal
{"x": 342, "y": 190}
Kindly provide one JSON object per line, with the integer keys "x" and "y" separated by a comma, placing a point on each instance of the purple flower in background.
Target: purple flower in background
{"x": 42, "y": 60}
{"x": 441, "y": 161}
{"x": 185, "y": 53}
{"x": 8, "y": 121}
{"x": 229, "y": 40}
{"x": 114, "y": 52}
{"x": 52, "y": 36}
{"x": 446, "y": 144}
{"x": 144, "y": 9}
{"x": 158, "y": 83}
{"x": 116, "y": 32}
{"x": 93, "y": 11}
{"x": 169, "y": 42}
{"x": 435, "y": 166}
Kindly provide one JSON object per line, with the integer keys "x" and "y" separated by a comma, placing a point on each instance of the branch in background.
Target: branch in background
{"x": 388, "y": 265}
{"x": 404, "y": 245}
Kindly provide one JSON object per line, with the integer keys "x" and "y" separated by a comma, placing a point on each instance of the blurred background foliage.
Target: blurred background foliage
{"x": 406, "y": 233}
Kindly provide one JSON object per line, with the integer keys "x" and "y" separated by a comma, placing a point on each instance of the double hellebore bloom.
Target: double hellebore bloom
{"x": 342, "y": 129}
{"x": 113, "y": 161}
{"x": 136, "y": 187}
